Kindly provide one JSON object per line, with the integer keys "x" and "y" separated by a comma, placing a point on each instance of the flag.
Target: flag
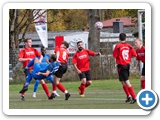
{"x": 40, "y": 21}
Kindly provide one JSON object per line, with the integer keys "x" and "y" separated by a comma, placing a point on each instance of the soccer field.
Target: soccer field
{"x": 102, "y": 94}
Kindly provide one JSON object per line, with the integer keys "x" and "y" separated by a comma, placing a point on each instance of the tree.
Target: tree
{"x": 19, "y": 22}
{"x": 94, "y": 42}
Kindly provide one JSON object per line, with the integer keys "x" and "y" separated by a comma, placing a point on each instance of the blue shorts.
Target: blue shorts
{"x": 37, "y": 69}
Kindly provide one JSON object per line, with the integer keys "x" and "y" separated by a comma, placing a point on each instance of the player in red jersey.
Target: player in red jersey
{"x": 62, "y": 57}
{"x": 25, "y": 55}
{"x": 123, "y": 52}
{"x": 140, "y": 50}
{"x": 81, "y": 64}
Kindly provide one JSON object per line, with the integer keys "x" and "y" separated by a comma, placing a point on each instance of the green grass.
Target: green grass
{"x": 102, "y": 94}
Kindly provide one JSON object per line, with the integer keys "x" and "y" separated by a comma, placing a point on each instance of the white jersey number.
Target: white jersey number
{"x": 125, "y": 54}
{"x": 64, "y": 55}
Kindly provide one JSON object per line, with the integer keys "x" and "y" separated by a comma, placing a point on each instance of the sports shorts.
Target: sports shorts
{"x": 85, "y": 74}
{"x": 62, "y": 69}
{"x": 123, "y": 72}
{"x": 143, "y": 70}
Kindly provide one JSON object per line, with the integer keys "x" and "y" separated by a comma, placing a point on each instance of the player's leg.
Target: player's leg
{"x": 25, "y": 86}
{"x": 88, "y": 78}
{"x": 35, "y": 88}
{"x": 142, "y": 82}
{"x": 131, "y": 91}
{"x": 82, "y": 87}
{"x": 57, "y": 76}
{"x": 45, "y": 88}
{"x": 51, "y": 79}
{"x": 143, "y": 77}
{"x": 122, "y": 74}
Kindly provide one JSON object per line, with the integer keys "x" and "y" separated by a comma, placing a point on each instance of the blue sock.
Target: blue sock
{"x": 36, "y": 85}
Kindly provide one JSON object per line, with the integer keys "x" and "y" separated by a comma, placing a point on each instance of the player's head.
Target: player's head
{"x": 80, "y": 45}
{"x": 28, "y": 42}
{"x": 65, "y": 44}
{"x": 43, "y": 50}
{"x": 122, "y": 36}
{"x": 53, "y": 57}
{"x": 138, "y": 43}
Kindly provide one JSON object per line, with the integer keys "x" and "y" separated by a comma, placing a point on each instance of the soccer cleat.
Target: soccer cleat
{"x": 56, "y": 94}
{"x": 34, "y": 95}
{"x": 128, "y": 99}
{"x": 22, "y": 98}
{"x": 67, "y": 96}
{"x": 24, "y": 89}
{"x": 51, "y": 96}
{"x": 133, "y": 101}
{"x": 79, "y": 90}
{"x": 82, "y": 95}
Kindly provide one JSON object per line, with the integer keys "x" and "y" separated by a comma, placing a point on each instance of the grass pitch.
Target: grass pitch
{"x": 102, "y": 94}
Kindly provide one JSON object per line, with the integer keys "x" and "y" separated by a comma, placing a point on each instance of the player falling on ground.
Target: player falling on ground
{"x": 81, "y": 64}
{"x": 43, "y": 71}
{"x": 123, "y": 52}
{"x": 140, "y": 50}
{"x": 45, "y": 59}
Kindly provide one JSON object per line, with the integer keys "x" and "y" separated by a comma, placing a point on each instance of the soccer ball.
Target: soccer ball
{"x": 98, "y": 25}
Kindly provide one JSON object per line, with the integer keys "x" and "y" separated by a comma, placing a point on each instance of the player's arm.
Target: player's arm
{"x": 23, "y": 59}
{"x": 97, "y": 54}
{"x": 44, "y": 74}
{"x": 41, "y": 57}
{"x": 115, "y": 52}
{"x": 74, "y": 62}
{"x": 137, "y": 63}
{"x": 57, "y": 54}
{"x": 78, "y": 71}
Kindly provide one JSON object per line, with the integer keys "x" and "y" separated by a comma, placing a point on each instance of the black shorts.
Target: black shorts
{"x": 85, "y": 74}
{"x": 62, "y": 69}
{"x": 143, "y": 70}
{"x": 123, "y": 72}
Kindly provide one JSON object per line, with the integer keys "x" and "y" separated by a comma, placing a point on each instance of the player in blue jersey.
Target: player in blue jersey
{"x": 43, "y": 71}
{"x": 45, "y": 59}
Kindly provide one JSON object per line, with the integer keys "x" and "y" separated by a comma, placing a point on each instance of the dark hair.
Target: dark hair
{"x": 122, "y": 37}
{"x": 53, "y": 57}
{"x": 42, "y": 48}
{"x": 79, "y": 42}
{"x": 65, "y": 44}
{"x": 26, "y": 40}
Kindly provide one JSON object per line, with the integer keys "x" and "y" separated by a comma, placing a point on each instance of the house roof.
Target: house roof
{"x": 127, "y": 21}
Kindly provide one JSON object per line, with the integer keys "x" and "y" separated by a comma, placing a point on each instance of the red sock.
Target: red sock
{"x": 23, "y": 92}
{"x": 87, "y": 84}
{"x": 45, "y": 88}
{"x": 131, "y": 90}
{"x": 143, "y": 84}
{"x": 82, "y": 87}
{"x": 54, "y": 87}
{"x": 61, "y": 87}
{"x": 126, "y": 90}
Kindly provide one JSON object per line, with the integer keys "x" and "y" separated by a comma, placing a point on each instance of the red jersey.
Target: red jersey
{"x": 81, "y": 58}
{"x": 28, "y": 53}
{"x": 141, "y": 54}
{"x": 123, "y": 52}
{"x": 63, "y": 54}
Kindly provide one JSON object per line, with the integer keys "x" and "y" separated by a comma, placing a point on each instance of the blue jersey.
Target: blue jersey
{"x": 45, "y": 57}
{"x": 53, "y": 67}
{"x": 43, "y": 67}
